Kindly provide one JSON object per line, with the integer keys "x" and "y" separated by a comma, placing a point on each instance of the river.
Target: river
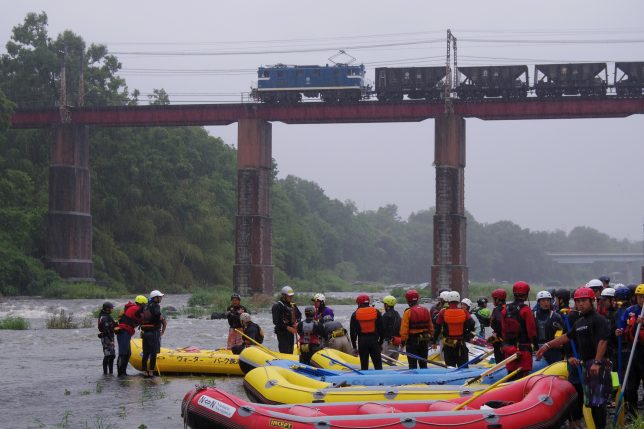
{"x": 53, "y": 378}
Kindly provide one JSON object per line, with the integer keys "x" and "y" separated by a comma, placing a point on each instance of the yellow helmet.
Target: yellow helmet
{"x": 389, "y": 300}
{"x": 639, "y": 290}
{"x": 140, "y": 299}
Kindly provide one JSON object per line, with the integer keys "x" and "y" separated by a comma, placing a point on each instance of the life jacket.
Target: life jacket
{"x": 631, "y": 326}
{"x": 419, "y": 318}
{"x": 260, "y": 332}
{"x": 512, "y": 324}
{"x": 149, "y": 320}
{"x": 366, "y": 317}
{"x": 308, "y": 336}
{"x": 130, "y": 317}
{"x": 455, "y": 319}
{"x": 542, "y": 327}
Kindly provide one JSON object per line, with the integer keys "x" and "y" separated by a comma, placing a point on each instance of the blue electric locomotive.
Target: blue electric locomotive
{"x": 339, "y": 83}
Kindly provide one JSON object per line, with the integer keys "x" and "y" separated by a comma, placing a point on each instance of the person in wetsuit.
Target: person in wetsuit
{"x": 153, "y": 326}
{"x": 365, "y": 328}
{"x": 106, "y": 325}
{"x": 286, "y": 316}
{"x": 129, "y": 320}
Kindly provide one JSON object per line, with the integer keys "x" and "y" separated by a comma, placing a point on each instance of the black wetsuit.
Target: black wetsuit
{"x": 151, "y": 334}
{"x": 285, "y": 314}
{"x": 106, "y": 326}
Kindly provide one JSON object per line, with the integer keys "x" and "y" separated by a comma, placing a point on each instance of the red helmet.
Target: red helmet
{"x": 412, "y": 295}
{"x": 584, "y": 292}
{"x": 363, "y": 298}
{"x": 521, "y": 288}
{"x": 499, "y": 294}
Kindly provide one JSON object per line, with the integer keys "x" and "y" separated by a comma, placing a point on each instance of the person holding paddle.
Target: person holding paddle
{"x": 590, "y": 332}
{"x": 286, "y": 316}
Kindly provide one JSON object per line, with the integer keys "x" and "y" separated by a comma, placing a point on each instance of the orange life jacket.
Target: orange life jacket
{"x": 419, "y": 318}
{"x": 366, "y": 317}
{"x": 455, "y": 319}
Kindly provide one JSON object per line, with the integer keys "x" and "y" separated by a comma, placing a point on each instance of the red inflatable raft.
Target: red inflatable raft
{"x": 535, "y": 402}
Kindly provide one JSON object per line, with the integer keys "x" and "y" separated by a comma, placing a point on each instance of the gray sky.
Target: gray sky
{"x": 543, "y": 175}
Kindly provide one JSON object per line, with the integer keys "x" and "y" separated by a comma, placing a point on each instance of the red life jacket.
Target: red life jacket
{"x": 512, "y": 324}
{"x": 366, "y": 317}
{"x": 308, "y": 337}
{"x": 455, "y": 319}
{"x": 419, "y": 318}
{"x": 631, "y": 327}
{"x": 130, "y": 318}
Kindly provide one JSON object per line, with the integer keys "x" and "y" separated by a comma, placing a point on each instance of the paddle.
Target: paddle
{"x": 424, "y": 360}
{"x": 341, "y": 363}
{"x": 491, "y": 370}
{"x": 487, "y": 389}
{"x": 391, "y": 360}
{"x": 628, "y": 367}
{"x": 476, "y": 359}
{"x": 588, "y": 416}
{"x": 266, "y": 349}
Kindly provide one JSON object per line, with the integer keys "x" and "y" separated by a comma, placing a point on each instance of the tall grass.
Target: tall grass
{"x": 61, "y": 320}
{"x": 14, "y": 323}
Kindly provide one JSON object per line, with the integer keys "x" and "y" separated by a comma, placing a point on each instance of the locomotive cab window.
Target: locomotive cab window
{"x": 265, "y": 73}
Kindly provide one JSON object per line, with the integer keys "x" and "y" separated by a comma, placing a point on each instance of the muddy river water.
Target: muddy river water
{"x": 52, "y": 378}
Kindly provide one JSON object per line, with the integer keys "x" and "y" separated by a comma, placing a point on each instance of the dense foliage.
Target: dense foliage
{"x": 163, "y": 201}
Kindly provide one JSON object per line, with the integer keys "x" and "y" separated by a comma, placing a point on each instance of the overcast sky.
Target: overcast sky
{"x": 542, "y": 175}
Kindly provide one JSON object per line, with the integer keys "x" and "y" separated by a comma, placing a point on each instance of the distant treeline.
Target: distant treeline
{"x": 163, "y": 201}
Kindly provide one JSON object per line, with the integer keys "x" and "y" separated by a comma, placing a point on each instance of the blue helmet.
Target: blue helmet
{"x": 622, "y": 293}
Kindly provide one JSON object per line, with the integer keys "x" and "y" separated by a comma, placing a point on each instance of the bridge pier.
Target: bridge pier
{"x": 69, "y": 221}
{"x": 253, "y": 269}
{"x": 449, "y": 269}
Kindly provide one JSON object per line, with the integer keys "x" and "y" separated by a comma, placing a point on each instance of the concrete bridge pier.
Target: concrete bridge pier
{"x": 449, "y": 269}
{"x": 69, "y": 221}
{"x": 253, "y": 269}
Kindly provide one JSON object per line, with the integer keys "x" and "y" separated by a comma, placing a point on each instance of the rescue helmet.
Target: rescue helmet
{"x": 618, "y": 285}
{"x": 499, "y": 294}
{"x": 412, "y": 295}
{"x": 362, "y": 299}
{"x": 467, "y": 302}
{"x": 235, "y": 296}
{"x": 639, "y": 290}
{"x": 552, "y": 291}
{"x": 309, "y": 311}
{"x": 287, "y": 290}
{"x": 608, "y": 292}
{"x": 318, "y": 297}
{"x": 443, "y": 295}
{"x": 327, "y": 318}
{"x": 584, "y": 292}
{"x": 482, "y": 302}
{"x": 604, "y": 279}
{"x": 520, "y": 288}
{"x": 155, "y": 293}
{"x": 107, "y": 305}
{"x": 140, "y": 299}
{"x": 595, "y": 283}
{"x": 563, "y": 294}
{"x": 485, "y": 313}
{"x": 453, "y": 296}
{"x": 544, "y": 294}
{"x": 244, "y": 317}
{"x": 632, "y": 287}
{"x": 389, "y": 300}
{"x": 622, "y": 293}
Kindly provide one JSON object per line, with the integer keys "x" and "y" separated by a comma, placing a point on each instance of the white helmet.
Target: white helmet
{"x": 319, "y": 297}
{"x": 244, "y": 317}
{"x": 287, "y": 290}
{"x": 443, "y": 295}
{"x": 453, "y": 296}
{"x": 155, "y": 293}
{"x": 544, "y": 294}
{"x": 609, "y": 292}
{"x": 618, "y": 285}
{"x": 595, "y": 283}
{"x": 467, "y": 302}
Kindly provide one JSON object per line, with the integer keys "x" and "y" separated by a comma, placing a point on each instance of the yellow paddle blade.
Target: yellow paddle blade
{"x": 588, "y": 418}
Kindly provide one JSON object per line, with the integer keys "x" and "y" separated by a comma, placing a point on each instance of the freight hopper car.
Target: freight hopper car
{"x": 584, "y": 79}
{"x": 510, "y": 82}
{"x": 282, "y": 84}
{"x": 393, "y": 83}
{"x": 629, "y": 79}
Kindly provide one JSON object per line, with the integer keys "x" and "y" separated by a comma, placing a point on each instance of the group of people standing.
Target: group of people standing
{"x": 144, "y": 313}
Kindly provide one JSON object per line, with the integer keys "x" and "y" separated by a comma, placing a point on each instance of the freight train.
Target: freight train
{"x": 345, "y": 83}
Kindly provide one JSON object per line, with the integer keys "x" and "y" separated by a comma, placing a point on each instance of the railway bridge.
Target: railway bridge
{"x": 69, "y": 241}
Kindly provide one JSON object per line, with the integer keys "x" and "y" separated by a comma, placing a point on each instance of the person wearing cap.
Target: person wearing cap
{"x": 106, "y": 325}
{"x": 321, "y": 310}
{"x": 129, "y": 319}
{"x": 153, "y": 326}
{"x": 286, "y": 317}
{"x": 590, "y": 333}
{"x": 232, "y": 313}
{"x": 391, "y": 328}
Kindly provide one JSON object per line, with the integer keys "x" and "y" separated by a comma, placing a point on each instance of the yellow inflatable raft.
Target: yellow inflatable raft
{"x": 187, "y": 360}
{"x": 278, "y": 385}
